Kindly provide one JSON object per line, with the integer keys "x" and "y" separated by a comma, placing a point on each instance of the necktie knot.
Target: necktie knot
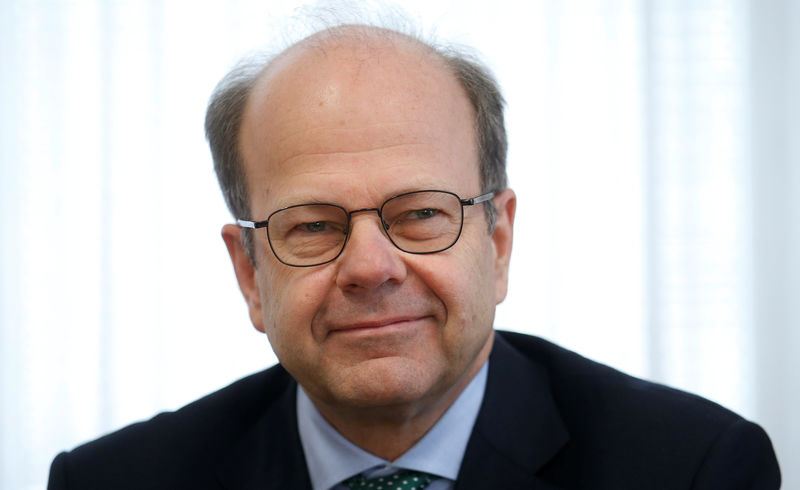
{"x": 402, "y": 480}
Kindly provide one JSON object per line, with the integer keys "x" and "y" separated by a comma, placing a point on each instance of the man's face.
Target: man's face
{"x": 377, "y": 327}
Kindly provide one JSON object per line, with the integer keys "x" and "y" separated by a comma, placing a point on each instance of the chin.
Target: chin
{"x": 386, "y": 382}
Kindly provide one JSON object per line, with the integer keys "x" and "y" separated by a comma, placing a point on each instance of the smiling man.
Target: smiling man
{"x": 382, "y": 341}
{"x": 366, "y": 172}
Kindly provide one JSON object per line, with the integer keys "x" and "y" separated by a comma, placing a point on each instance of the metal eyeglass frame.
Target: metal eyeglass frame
{"x": 464, "y": 202}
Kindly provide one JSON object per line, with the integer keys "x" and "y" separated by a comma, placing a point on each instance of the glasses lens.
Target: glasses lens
{"x": 423, "y": 222}
{"x": 308, "y": 234}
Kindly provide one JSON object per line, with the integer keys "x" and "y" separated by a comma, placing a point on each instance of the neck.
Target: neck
{"x": 385, "y": 437}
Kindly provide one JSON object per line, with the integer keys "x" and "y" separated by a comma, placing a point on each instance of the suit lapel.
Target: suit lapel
{"x": 518, "y": 429}
{"x": 270, "y": 454}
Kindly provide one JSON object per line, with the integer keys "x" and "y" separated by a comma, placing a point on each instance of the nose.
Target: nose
{"x": 369, "y": 260}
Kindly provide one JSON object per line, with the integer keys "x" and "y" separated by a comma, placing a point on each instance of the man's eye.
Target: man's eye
{"x": 314, "y": 227}
{"x": 425, "y": 213}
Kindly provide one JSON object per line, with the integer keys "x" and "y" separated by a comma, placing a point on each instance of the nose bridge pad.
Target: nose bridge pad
{"x": 384, "y": 224}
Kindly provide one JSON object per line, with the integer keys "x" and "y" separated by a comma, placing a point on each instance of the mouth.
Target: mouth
{"x": 382, "y": 324}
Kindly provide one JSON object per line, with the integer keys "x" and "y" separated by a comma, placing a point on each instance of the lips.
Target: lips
{"x": 398, "y": 321}
{"x": 376, "y": 315}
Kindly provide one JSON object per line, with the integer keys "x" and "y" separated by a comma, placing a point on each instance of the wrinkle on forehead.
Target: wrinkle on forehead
{"x": 306, "y": 172}
{"x": 331, "y": 140}
{"x": 333, "y": 153}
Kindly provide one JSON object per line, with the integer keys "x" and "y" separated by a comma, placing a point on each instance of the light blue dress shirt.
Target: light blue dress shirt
{"x": 331, "y": 458}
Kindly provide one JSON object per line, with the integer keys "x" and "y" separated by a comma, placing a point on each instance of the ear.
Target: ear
{"x": 245, "y": 273}
{"x": 502, "y": 238}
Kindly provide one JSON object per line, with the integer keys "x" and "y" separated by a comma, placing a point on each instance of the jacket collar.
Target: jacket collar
{"x": 270, "y": 454}
{"x": 518, "y": 429}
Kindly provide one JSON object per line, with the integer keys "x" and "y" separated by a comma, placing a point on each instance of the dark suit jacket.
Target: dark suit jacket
{"x": 550, "y": 419}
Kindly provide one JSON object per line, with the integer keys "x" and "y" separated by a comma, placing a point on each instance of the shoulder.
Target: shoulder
{"x": 618, "y": 421}
{"x": 184, "y": 442}
{"x": 579, "y": 384}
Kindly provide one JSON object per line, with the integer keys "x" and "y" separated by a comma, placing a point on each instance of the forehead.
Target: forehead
{"x": 360, "y": 109}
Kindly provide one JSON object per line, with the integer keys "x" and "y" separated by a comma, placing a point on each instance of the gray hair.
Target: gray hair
{"x": 227, "y": 105}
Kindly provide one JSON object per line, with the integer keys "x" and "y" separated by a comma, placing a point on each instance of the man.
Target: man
{"x": 366, "y": 171}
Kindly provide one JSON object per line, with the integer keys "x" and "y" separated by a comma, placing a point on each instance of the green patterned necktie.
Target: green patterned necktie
{"x": 402, "y": 480}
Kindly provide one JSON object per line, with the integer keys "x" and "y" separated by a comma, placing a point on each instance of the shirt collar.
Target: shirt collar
{"x": 331, "y": 458}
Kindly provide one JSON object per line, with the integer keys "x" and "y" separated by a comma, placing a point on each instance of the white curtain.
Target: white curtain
{"x": 654, "y": 151}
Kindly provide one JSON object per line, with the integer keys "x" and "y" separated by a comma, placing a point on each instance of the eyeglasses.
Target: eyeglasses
{"x": 418, "y": 222}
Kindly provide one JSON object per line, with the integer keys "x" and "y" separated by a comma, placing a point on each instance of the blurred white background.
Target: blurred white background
{"x": 654, "y": 148}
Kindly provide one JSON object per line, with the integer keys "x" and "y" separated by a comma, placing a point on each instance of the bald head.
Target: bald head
{"x": 346, "y": 87}
{"x": 363, "y": 39}
{"x": 347, "y": 72}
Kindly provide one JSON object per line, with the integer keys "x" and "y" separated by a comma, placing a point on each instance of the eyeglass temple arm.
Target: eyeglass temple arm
{"x": 478, "y": 199}
{"x": 251, "y": 224}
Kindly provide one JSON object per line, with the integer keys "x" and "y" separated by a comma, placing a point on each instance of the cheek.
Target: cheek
{"x": 464, "y": 281}
{"x": 290, "y": 298}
